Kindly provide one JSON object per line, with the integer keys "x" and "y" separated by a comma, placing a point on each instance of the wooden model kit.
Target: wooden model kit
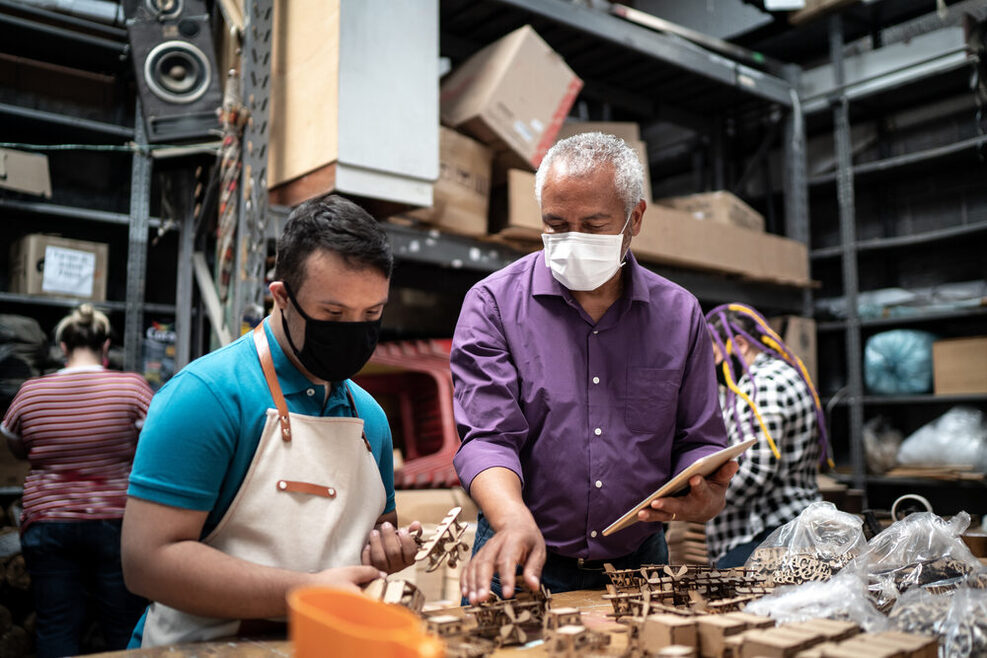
{"x": 778, "y": 565}
{"x": 681, "y": 589}
{"x": 446, "y": 544}
{"x": 399, "y": 592}
{"x": 455, "y": 633}
{"x": 510, "y": 621}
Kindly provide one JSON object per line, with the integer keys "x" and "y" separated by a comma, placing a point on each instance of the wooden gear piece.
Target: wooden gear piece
{"x": 444, "y": 545}
{"x": 397, "y": 592}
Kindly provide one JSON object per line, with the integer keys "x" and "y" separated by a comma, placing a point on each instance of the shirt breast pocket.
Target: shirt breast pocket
{"x": 652, "y": 398}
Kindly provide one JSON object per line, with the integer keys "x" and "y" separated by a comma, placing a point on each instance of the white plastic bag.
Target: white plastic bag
{"x": 920, "y": 550}
{"x": 843, "y": 597}
{"x": 964, "y": 629}
{"x": 959, "y": 436}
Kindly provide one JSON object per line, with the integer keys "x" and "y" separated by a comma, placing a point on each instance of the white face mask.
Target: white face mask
{"x": 583, "y": 261}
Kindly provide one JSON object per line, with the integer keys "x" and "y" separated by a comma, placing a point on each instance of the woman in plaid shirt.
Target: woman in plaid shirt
{"x": 765, "y": 393}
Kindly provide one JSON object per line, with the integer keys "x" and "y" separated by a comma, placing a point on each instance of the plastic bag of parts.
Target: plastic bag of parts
{"x": 921, "y": 550}
{"x": 881, "y": 444}
{"x": 813, "y": 546}
{"x": 843, "y": 597}
{"x": 964, "y": 630}
{"x": 899, "y": 362}
{"x": 959, "y": 436}
{"x": 920, "y": 611}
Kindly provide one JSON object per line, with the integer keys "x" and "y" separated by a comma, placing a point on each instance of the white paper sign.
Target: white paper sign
{"x": 69, "y": 271}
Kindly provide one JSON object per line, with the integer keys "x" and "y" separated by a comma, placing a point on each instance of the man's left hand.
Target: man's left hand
{"x": 705, "y": 499}
{"x": 391, "y": 549}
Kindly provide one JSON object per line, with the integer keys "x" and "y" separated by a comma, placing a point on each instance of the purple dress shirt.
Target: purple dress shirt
{"x": 592, "y": 417}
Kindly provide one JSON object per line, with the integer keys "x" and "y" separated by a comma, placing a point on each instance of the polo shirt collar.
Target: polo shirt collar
{"x": 635, "y": 287}
{"x": 291, "y": 379}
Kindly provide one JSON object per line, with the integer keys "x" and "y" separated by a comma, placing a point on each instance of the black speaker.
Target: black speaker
{"x": 175, "y": 67}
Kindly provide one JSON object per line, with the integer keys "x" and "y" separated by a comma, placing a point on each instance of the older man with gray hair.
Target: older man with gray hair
{"x": 583, "y": 382}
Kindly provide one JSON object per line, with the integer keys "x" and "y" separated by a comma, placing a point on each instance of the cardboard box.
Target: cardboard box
{"x": 354, "y": 109}
{"x": 462, "y": 193}
{"x": 628, "y": 131}
{"x": 672, "y": 237}
{"x": 800, "y": 335}
{"x": 720, "y": 207}
{"x": 512, "y": 95}
{"x": 515, "y": 215}
{"x": 959, "y": 365}
{"x": 58, "y": 267}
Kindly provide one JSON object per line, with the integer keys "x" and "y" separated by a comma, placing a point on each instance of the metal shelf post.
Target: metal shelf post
{"x": 251, "y": 247}
{"x": 844, "y": 190}
{"x": 140, "y": 189}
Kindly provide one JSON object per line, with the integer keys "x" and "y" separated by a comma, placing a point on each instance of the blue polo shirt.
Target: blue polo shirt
{"x": 204, "y": 426}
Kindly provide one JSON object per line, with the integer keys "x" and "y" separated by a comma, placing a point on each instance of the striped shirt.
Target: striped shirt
{"x": 79, "y": 427}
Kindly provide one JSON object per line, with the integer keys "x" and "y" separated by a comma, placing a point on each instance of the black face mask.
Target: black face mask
{"x": 333, "y": 351}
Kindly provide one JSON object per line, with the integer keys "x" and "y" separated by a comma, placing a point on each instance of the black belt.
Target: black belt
{"x": 582, "y": 563}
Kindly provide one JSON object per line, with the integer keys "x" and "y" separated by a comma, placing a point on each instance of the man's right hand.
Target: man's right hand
{"x": 516, "y": 540}
{"x": 516, "y": 543}
{"x": 348, "y": 578}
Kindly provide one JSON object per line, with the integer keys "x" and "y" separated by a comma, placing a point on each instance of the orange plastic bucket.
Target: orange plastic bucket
{"x": 332, "y": 622}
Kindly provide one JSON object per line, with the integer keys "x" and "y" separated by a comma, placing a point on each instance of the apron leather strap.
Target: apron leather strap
{"x": 267, "y": 365}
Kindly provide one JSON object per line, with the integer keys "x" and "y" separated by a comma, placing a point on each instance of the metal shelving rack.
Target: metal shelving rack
{"x": 644, "y": 74}
{"x": 908, "y": 82}
{"x": 111, "y": 44}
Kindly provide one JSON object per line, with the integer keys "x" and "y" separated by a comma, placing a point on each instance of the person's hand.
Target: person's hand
{"x": 706, "y": 499}
{"x": 516, "y": 543}
{"x": 390, "y": 549}
{"x": 347, "y": 578}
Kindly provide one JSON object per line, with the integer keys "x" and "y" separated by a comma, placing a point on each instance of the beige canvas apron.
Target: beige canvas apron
{"x": 308, "y": 502}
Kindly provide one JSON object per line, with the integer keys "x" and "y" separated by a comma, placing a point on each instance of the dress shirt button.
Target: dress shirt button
{"x": 596, "y": 380}
{"x": 598, "y": 431}
{"x": 595, "y": 332}
{"x": 599, "y": 485}
{"x": 593, "y": 534}
{"x": 310, "y": 392}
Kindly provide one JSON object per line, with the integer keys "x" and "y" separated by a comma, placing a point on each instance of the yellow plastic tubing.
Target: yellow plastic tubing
{"x": 330, "y": 622}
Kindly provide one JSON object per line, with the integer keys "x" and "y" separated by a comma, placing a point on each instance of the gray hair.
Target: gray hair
{"x": 584, "y": 152}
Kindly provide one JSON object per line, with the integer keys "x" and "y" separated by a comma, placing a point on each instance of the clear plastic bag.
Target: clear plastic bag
{"x": 964, "y": 629}
{"x": 959, "y": 436}
{"x": 813, "y": 546}
{"x": 920, "y": 611}
{"x": 881, "y": 444}
{"x": 920, "y": 550}
{"x": 843, "y": 597}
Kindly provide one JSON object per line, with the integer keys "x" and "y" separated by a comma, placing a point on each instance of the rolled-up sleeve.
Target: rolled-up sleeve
{"x": 699, "y": 424}
{"x": 491, "y": 424}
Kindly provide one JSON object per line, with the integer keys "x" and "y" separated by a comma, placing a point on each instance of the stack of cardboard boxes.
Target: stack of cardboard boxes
{"x": 508, "y": 104}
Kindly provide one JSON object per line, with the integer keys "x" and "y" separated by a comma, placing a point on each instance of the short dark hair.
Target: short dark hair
{"x": 335, "y": 224}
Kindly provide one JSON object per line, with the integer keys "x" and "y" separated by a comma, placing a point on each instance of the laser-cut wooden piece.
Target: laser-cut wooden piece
{"x": 444, "y": 546}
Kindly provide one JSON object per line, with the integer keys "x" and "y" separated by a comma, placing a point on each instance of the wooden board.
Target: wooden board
{"x": 703, "y": 466}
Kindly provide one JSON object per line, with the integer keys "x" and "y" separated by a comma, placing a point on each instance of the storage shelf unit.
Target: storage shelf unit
{"x": 915, "y": 239}
{"x": 644, "y": 75}
{"x": 874, "y": 262}
{"x": 976, "y": 312}
{"x": 884, "y": 400}
{"x": 88, "y": 47}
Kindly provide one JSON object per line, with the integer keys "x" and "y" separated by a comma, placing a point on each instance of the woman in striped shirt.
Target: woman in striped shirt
{"x": 78, "y": 427}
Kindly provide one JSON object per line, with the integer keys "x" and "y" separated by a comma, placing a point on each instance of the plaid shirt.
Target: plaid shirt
{"x": 767, "y": 492}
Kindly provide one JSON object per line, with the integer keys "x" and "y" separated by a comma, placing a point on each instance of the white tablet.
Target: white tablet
{"x": 703, "y": 466}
